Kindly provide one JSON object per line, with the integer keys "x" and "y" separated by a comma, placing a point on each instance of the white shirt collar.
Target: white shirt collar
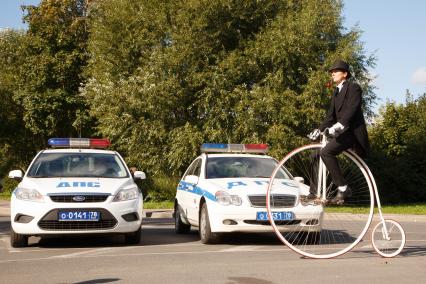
{"x": 340, "y": 86}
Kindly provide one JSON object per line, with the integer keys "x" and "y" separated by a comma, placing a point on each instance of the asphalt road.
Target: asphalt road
{"x": 164, "y": 257}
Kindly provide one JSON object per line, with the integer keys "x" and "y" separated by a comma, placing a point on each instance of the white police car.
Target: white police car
{"x": 226, "y": 192}
{"x": 76, "y": 188}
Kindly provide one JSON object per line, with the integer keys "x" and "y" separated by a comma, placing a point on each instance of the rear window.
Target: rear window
{"x": 77, "y": 165}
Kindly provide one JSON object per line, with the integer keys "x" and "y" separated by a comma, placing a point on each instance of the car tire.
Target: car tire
{"x": 133, "y": 238}
{"x": 180, "y": 226}
{"x": 18, "y": 240}
{"x": 206, "y": 235}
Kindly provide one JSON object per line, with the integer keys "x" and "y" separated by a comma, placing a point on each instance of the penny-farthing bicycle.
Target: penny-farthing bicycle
{"x": 342, "y": 226}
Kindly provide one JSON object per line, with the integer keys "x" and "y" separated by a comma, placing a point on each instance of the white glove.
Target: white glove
{"x": 336, "y": 129}
{"x": 314, "y": 134}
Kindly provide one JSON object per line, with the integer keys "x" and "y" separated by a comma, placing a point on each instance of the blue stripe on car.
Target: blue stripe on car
{"x": 185, "y": 186}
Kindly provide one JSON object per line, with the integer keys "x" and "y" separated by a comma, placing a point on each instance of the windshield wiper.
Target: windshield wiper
{"x": 44, "y": 176}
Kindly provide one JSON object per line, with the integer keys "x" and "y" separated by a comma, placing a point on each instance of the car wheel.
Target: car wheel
{"x": 18, "y": 240}
{"x": 206, "y": 235}
{"x": 134, "y": 237}
{"x": 180, "y": 226}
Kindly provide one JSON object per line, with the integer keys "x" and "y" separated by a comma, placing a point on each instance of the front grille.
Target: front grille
{"x": 76, "y": 225}
{"x": 50, "y": 221}
{"x": 277, "y": 200}
{"x": 87, "y": 198}
{"x": 277, "y": 222}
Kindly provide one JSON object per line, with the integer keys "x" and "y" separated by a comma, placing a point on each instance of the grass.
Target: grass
{"x": 158, "y": 205}
{"x": 4, "y": 196}
{"x": 416, "y": 209}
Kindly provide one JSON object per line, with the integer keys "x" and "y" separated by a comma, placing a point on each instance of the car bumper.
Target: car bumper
{"x": 243, "y": 219}
{"x": 44, "y": 215}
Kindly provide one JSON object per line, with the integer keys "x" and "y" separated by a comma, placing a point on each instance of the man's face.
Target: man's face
{"x": 338, "y": 76}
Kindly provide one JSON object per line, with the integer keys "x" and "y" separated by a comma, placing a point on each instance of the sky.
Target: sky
{"x": 393, "y": 30}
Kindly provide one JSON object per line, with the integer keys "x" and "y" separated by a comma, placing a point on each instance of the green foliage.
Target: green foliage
{"x": 9, "y": 186}
{"x": 41, "y": 70}
{"x": 168, "y": 75}
{"x": 160, "y": 188}
{"x": 399, "y": 158}
{"x": 16, "y": 144}
{"x": 55, "y": 55}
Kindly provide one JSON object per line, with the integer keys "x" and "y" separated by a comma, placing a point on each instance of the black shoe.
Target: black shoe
{"x": 340, "y": 197}
{"x": 310, "y": 197}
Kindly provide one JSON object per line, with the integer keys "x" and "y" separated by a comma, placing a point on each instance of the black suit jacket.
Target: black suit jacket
{"x": 345, "y": 108}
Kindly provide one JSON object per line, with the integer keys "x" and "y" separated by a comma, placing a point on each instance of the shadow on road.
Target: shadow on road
{"x": 98, "y": 281}
{"x": 4, "y": 226}
{"x": 413, "y": 251}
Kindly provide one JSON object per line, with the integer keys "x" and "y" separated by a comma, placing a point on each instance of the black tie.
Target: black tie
{"x": 336, "y": 91}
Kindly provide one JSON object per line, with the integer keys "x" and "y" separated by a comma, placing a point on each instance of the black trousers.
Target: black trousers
{"x": 329, "y": 153}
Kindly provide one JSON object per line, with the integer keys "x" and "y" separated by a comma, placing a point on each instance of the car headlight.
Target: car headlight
{"x": 224, "y": 198}
{"x": 28, "y": 194}
{"x": 127, "y": 194}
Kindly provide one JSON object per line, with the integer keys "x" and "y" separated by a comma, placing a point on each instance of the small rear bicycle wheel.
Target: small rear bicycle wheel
{"x": 391, "y": 245}
{"x": 318, "y": 229}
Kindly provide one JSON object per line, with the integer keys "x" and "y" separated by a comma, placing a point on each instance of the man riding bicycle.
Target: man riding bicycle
{"x": 346, "y": 125}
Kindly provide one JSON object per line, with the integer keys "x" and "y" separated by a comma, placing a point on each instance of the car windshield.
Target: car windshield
{"x": 249, "y": 167}
{"x": 77, "y": 165}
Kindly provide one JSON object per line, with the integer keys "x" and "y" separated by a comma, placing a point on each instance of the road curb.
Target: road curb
{"x": 158, "y": 213}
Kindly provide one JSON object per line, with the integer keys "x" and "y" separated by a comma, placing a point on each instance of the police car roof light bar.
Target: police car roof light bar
{"x": 233, "y": 148}
{"x": 78, "y": 143}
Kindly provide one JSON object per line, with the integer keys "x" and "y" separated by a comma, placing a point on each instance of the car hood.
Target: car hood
{"x": 253, "y": 186}
{"x": 76, "y": 185}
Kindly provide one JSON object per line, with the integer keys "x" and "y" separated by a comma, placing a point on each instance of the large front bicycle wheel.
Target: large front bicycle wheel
{"x": 317, "y": 229}
{"x": 388, "y": 238}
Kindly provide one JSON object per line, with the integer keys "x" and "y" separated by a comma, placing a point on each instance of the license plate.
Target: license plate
{"x": 277, "y": 216}
{"x": 79, "y": 216}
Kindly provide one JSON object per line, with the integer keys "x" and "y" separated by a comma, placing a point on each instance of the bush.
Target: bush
{"x": 161, "y": 188}
{"x": 8, "y": 186}
{"x": 398, "y": 160}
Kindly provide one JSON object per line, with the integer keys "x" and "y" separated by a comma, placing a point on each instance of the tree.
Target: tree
{"x": 15, "y": 141}
{"x": 168, "y": 75}
{"x": 399, "y": 150}
{"x": 50, "y": 77}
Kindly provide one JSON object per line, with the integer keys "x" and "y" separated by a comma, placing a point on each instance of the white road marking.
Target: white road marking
{"x": 241, "y": 248}
{"x": 93, "y": 252}
{"x": 76, "y": 255}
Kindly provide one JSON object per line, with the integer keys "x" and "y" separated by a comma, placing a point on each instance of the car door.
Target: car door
{"x": 194, "y": 199}
{"x": 187, "y": 190}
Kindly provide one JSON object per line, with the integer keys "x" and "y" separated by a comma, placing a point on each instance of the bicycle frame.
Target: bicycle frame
{"x": 337, "y": 236}
{"x": 322, "y": 177}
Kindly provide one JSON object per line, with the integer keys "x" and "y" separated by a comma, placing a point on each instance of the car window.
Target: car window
{"x": 78, "y": 165}
{"x": 194, "y": 168}
{"x": 230, "y": 167}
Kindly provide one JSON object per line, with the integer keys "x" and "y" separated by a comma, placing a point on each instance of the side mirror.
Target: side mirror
{"x": 139, "y": 175}
{"x": 191, "y": 179}
{"x": 16, "y": 175}
{"x": 299, "y": 179}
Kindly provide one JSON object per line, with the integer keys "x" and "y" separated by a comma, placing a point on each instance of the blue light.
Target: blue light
{"x": 214, "y": 146}
{"x": 58, "y": 142}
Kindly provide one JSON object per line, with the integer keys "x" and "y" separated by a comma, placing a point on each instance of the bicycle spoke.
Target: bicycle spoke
{"x": 339, "y": 228}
